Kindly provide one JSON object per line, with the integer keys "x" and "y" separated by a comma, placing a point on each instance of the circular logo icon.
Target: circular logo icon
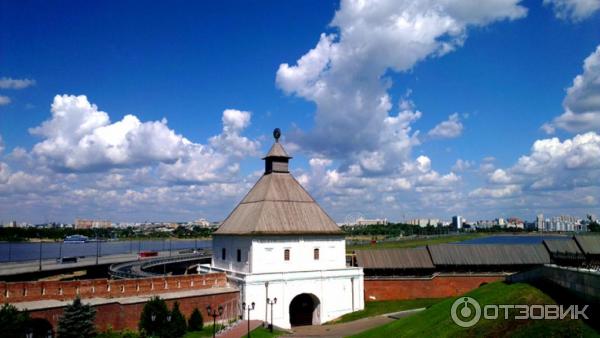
{"x": 465, "y": 312}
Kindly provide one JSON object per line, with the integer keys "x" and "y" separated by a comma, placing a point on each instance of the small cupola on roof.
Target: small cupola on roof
{"x": 278, "y": 204}
{"x": 277, "y": 159}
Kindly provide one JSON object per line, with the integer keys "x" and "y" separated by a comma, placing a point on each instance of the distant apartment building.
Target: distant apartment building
{"x": 11, "y": 224}
{"x": 91, "y": 223}
{"x": 374, "y": 221}
{"x": 563, "y": 223}
{"x": 457, "y": 222}
{"x": 539, "y": 222}
{"x": 515, "y": 222}
{"x": 423, "y": 222}
{"x": 201, "y": 223}
{"x": 486, "y": 224}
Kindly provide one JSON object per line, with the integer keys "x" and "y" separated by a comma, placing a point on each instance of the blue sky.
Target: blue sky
{"x": 502, "y": 67}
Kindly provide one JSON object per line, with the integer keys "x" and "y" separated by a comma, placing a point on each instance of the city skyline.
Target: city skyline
{"x": 393, "y": 111}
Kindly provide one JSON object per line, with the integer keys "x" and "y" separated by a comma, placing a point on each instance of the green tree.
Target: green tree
{"x": 196, "y": 322}
{"x": 153, "y": 320}
{"x": 177, "y": 324}
{"x": 12, "y": 321}
{"x": 593, "y": 225}
{"x": 77, "y": 321}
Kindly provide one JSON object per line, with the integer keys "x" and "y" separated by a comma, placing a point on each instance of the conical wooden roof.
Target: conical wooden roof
{"x": 278, "y": 205}
{"x": 277, "y": 151}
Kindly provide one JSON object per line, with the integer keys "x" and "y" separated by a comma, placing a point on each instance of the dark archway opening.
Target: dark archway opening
{"x": 304, "y": 310}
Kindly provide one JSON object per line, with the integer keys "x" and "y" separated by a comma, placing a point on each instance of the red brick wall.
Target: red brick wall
{"x": 126, "y": 316}
{"x": 15, "y": 292}
{"x": 413, "y": 288}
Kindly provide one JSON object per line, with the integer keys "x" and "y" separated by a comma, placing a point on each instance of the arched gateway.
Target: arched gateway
{"x": 278, "y": 243}
{"x": 305, "y": 310}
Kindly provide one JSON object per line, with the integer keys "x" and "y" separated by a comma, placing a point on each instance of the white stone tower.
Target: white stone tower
{"x": 279, "y": 243}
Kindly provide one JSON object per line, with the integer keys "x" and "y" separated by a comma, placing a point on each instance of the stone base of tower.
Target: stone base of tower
{"x": 303, "y": 297}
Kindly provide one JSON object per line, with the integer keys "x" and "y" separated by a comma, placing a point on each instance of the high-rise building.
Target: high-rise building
{"x": 457, "y": 222}
{"x": 539, "y": 222}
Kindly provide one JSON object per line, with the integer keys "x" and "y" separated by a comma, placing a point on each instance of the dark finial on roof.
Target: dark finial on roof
{"x": 277, "y": 134}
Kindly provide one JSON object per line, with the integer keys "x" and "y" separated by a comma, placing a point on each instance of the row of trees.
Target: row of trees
{"x": 157, "y": 321}
{"x": 78, "y": 320}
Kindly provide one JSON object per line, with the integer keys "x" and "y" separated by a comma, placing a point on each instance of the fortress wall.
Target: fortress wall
{"x": 126, "y": 315}
{"x": 15, "y": 292}
{"x": 438, "y": 286}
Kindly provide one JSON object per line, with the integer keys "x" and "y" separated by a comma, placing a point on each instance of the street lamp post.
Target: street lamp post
{"x": 214, "y": 313}
{"x": 271, "y": 302}
{"x": 250, "y": 308}
{"x": 97, "y": 247}
{"x": 153, "y": 318}
{"x": 40, "y": 265}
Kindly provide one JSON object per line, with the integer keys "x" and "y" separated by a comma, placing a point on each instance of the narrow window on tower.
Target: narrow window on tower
{"x": 286, "y": 254}
{"x": 316, "y": 254}
{"x": 223, "y": 254}
{"x": 239, "y": 255}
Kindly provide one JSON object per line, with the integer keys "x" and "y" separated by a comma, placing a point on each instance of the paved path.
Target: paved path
{"x": 349, "y": 328}
{"x": 240, "y": 329}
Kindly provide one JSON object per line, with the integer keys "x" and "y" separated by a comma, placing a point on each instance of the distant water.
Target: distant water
{"x": 514, "y": 239}
{"x": 25, "y": 251}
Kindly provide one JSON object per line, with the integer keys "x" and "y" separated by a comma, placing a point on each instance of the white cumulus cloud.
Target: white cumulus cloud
{"x": 582, "y": 102}
{"x": 10, "y": 83}
{"x": 450, "y": 128}
{"x": 344, "y": 74}
{"x": 574, "y": 10}
{"x": 79, "y": 137}
{"x": 551, "y": 165}
{"x": 4, "y": 100}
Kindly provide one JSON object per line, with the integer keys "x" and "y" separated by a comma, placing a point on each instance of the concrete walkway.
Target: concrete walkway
{"x": 349, "y": 328}
{"x": 240, "y": 329}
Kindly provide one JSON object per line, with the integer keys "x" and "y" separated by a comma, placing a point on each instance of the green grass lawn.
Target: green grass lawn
{"x": 386, "y": 306}
{"x": 415, "y": 242}
{"x": 207, "y": 331}
{"x": 261, "y": 332}
{"x": 436, "y": 320}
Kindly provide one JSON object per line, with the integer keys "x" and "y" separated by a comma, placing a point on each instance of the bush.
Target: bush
{"x": 156, "y": 309}
{"x": 12, "y": 321}
{"x": 195, "y": 323}
{"x": 77, "y": 321}
{"x": 177, "y": 325}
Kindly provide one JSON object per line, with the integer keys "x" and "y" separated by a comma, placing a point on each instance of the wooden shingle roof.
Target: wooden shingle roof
{"x": 278, "y": 205}
{"x": 562, "y": 246}
{"x": 277, "y": 151}
{"x": 589, "y": 244}
{"x": 413, "y": 258}
{"x": 488, "y": 254}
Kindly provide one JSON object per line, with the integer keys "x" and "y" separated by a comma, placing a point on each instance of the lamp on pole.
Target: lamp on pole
{"x": 214, "y": 313}
{"x": 250, "y": 308}
{"x": 153, "y": 318}
{"x": 271, "y": 302}
{"x": 40, "y": 265}
{"x": 97, "y": 246}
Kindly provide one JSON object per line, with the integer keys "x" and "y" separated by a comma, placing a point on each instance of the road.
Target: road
{"x": 15, "y": 268}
